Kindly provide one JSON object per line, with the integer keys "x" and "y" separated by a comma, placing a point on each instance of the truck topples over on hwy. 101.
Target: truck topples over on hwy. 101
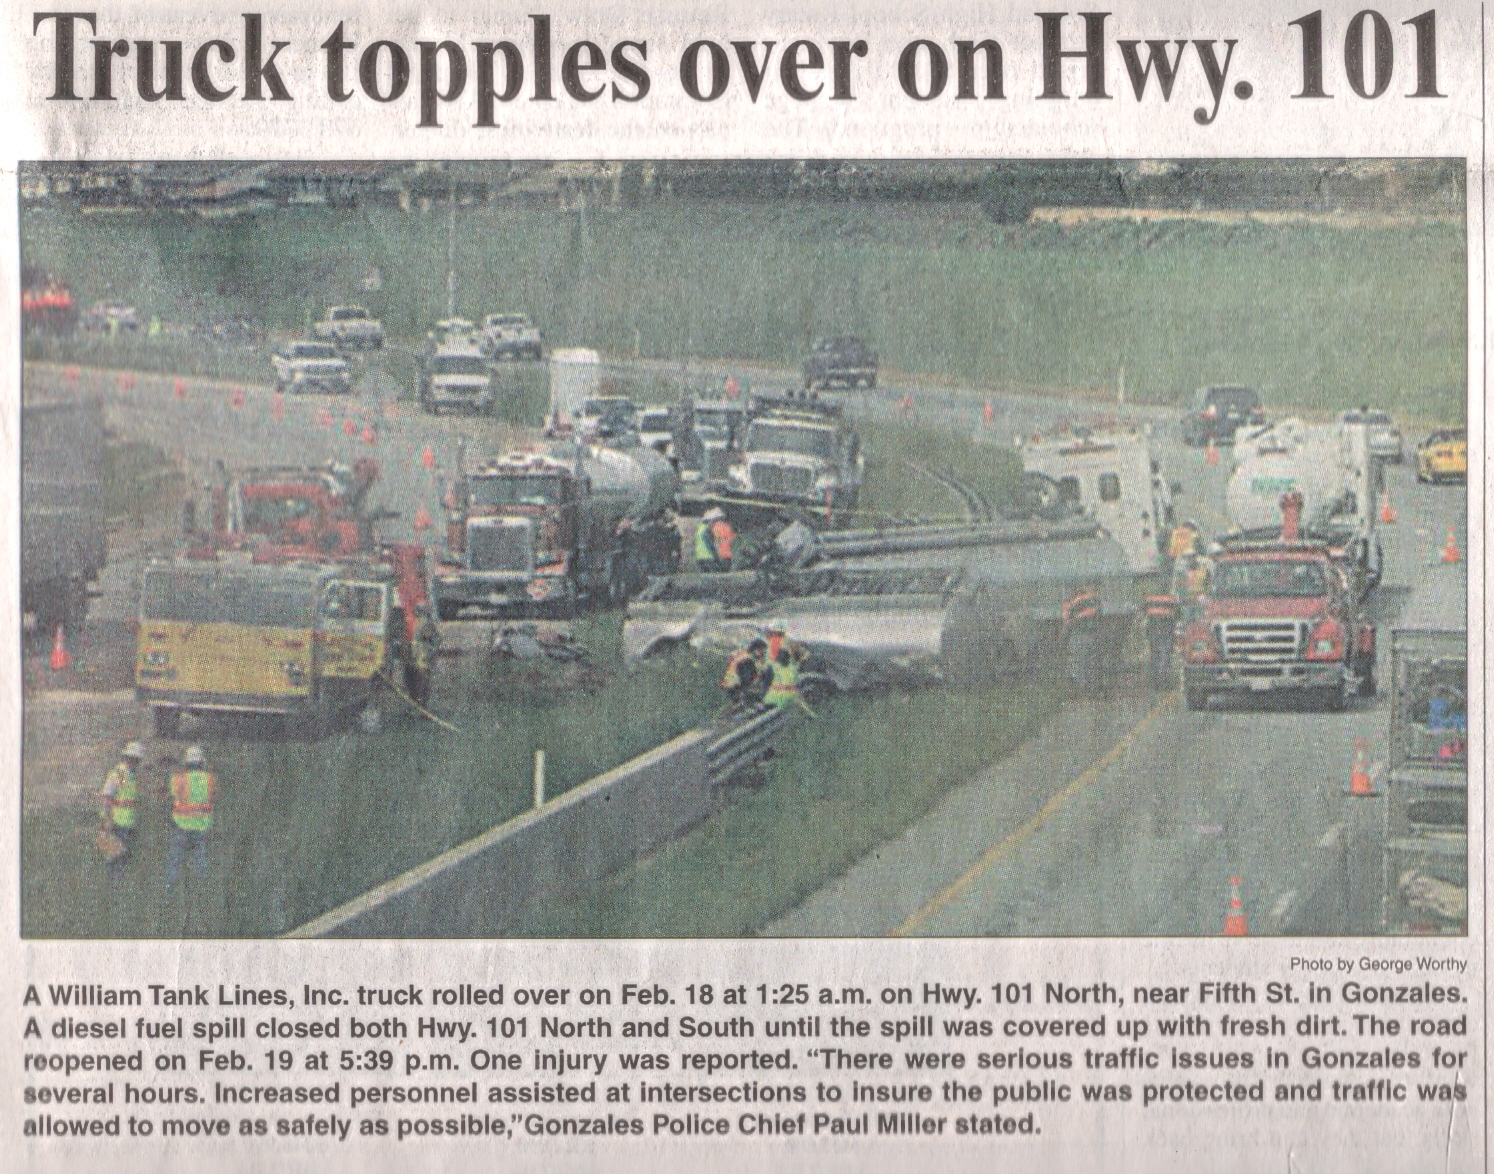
{"x": 1279, "y": 614}
{"x": 1113, "y": 476}
{"x": 539, "y": 533}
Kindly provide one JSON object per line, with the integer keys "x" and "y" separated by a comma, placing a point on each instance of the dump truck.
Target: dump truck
{"x": 64, "y": 536}
{"x": 1425, "y": 847}
{"x": 541, "y": 533}
{"x": 307, "y": 641}
{"x": 290, "y": 511}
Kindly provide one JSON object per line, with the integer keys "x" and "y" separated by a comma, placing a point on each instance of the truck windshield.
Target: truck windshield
{"x": 187, "y": 596}
{"x": 348, "y": 315}
{"x": 517, "y": 490}
{"x": 806, "y": 442}
{"x": 654, "y": 422}
{"x": 313, "y": 350}
{"x": 1239, "y": 399}
{"x": 459, "y": 365}
{"x": 1234, "y": 579}
{"x": 266, "y": 515}
{"x": 717, "y": 418}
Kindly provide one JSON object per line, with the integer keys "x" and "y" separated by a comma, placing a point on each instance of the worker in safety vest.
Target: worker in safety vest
{"x": 748, "y": 673}
{"x": 785, "y": 687}
{"x": 117, "y": 804}
{"x": 1183, "y": 540}
{"x": 713, "y": 541}
{"x": 191, "y": 816}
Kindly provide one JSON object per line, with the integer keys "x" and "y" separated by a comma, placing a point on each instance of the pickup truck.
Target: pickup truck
{"x": 511, "y": 336}
{"x": 350, "y": 326}
{"x": 311, "y": 367}
{"x": 1218, "y": 412}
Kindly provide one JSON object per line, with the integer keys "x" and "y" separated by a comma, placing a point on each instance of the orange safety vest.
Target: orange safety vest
{"x": 192, "y": 800}
{"x": 722, "y": 536}
{"x": 732, "y": 678}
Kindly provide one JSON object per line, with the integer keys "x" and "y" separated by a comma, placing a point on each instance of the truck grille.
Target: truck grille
{"x": 499, "y": 548}
{"x": 771, "y": 478}
{"x": 1262, "y": 640}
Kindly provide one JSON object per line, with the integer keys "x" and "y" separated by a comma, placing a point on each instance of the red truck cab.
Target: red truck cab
{"x": 1277, "y": 615}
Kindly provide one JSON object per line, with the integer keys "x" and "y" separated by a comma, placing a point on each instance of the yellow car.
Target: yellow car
{"x": 1443, "y": 456}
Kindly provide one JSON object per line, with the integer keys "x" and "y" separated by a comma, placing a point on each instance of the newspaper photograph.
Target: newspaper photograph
{"x": 745, "y": 588}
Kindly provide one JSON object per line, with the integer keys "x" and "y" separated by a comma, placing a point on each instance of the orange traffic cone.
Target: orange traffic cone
{"x": 179, "y": 387}
{"x": 988, "y": 413}
{"x": 125, "y": 381}
{"x": 1387, "y": 511}
{"x": 1450, "y": 551}
{"x": 350, "y": 427}
{"x": 422, "y": 519}
{"x": 1211, "y": 454}
{"x": 1361, "y": 786}
{"x": 237, "y": 398}
{"x": 427, "y": 458}
{"x": 367, "y": 435}
{"x": 324, "y": 418}
{"x": 61, "y": 658}
{"x": 72, "y": 374}
{"x": 1234, "y": 920}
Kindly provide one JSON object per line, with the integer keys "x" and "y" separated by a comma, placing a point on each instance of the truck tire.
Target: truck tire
{"x": 871, "y": 382}
{"x": 1367, "y": 685}
{"x": 1334, "y": 697}
{"x": 1196, "y": 699}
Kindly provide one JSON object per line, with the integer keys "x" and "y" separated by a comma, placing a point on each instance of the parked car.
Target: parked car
{"x": 1384, "y": 437}
{"x": 449, "y": 331}
{"x": 606, "y": 415}
{"x": 1218, "y": 411}
{"x": 844, "y": 359}
{"x": 110, "y": 318}
{"x": 1443, "y": 456}
{"x": 351, "y": 326}
{"x": 511, "y": 336}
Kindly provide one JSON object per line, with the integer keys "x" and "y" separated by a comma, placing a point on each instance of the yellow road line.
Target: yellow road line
{"x": 1044, "y": 814}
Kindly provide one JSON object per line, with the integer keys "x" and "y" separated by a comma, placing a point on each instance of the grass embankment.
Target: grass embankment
{"x": 1315, "y": 316}
{"x": 894, "y": 488}
{"x": 858, "y": 774}
{"x": 301, "y": 827}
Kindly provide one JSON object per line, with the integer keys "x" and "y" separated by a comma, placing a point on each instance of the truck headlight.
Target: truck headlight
{"x": 157, "y": 658}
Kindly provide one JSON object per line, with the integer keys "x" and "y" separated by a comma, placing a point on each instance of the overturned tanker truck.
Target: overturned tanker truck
{"x": 915, "y": 605}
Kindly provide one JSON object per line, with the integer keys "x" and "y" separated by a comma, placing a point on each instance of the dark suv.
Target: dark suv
{"x": 1218, "y": 411}
{"x": 845, "y": 360}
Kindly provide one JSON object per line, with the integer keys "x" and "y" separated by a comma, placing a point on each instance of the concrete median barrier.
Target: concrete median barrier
{"x": 490, "y": 885}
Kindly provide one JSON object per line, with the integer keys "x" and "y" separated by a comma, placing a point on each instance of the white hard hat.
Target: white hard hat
{"x": 134, "y": 750}
{"x": 712, "y": 514}
{"x": 194, "y": 756}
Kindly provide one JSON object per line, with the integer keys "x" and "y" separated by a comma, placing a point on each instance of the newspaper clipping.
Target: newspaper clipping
{"x": 720, "y": 586}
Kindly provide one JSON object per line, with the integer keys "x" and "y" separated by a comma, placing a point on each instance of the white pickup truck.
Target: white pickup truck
{"x": 311, "y": 366}
{"x": 350, "y": 326}
{"x": 511, "y": 336}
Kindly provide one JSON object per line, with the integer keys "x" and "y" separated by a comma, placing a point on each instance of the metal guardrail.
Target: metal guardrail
{"x": 746, "y": 745}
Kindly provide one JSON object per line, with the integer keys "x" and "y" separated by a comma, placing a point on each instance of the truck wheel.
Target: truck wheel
{"x": 1334, "y": 697}
{"x": 168, "y": 722}
{"x": 1367, "y": 685}
{"x": 871, "y": 382}
{"x": 1196, "y": 698}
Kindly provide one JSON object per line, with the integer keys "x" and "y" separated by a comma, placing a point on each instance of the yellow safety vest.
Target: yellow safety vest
{"x": 785, "y": 687}
{"x": 120, "y": 792}
{"x": 704, "y": 552}
{"x": 192, "y": 800}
